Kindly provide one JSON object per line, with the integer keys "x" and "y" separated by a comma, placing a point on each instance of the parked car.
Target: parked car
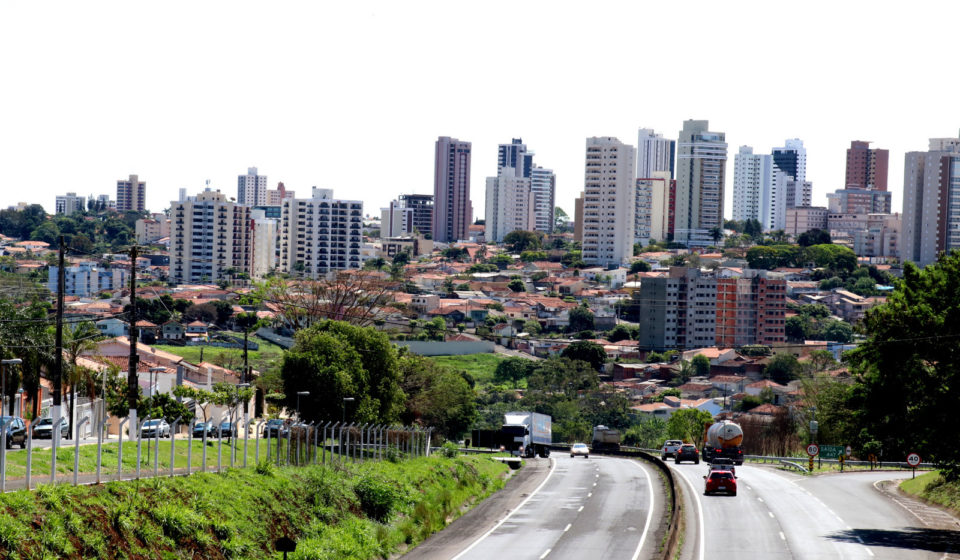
{"x": 43, "y": 428}
{"x": 720, "y": 481}
{"x": 688, "y": 452}
{"x": 16, "y": 431}
{"x": 200, "y": 427}
{"x": 227, "y": 429}
{"x": 670, "y": 448}
{"x": 153, "y": 428}
{"x": 580, "y": 449}
{"x": 273, "y": 428}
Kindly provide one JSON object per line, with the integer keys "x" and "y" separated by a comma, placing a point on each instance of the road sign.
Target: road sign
{"x": 812, "y": 450}
{"x": 913, "y": 459}
{"x": 848, "y": 451}
{"x": 831, "y": 451}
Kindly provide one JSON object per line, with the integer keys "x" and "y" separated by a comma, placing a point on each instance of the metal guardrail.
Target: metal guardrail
{"x": 797, "y": 466}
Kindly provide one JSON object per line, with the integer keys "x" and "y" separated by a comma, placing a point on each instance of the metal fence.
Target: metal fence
{"x": 298, "y": 444}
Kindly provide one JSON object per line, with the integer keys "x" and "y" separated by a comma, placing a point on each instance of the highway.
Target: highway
{"x": 779, "y": 515}
{"x": 600, "y": 507}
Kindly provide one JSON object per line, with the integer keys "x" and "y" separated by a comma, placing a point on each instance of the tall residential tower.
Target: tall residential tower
{"x": 609, "y": 202}
{"x": 452, "y": 211}
{"x": 701, "y": 171}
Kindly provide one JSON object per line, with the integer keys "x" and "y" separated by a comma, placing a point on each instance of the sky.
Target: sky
{"x": 352, "y": 95}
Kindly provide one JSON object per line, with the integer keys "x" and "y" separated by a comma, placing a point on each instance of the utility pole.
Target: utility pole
{"x": 133, "y": 386}
{"x": 58, "y": 369}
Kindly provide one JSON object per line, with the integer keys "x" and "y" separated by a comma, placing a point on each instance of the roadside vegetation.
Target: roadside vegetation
{"x": 934, "y": 488}
{"x": 481, "y": 367}
{"x": 367, "y": 510}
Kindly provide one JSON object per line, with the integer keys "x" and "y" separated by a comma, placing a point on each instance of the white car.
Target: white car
{"x": 579, "y": 449}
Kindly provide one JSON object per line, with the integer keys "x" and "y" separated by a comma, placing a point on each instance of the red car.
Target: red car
{"x": 720, "y": 481}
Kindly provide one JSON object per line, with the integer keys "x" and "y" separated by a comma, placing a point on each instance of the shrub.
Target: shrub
{"x": 449, "y": 450}
{"x": 265, "y": 468}
{"x": 377, "y": 498}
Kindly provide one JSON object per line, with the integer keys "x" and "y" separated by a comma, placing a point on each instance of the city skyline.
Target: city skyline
{"x": 191, "y": 122}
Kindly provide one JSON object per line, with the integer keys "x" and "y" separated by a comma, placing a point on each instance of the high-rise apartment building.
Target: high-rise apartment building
{"x": 931, "y": 211}
{"x": 654, "y": 153}
{"x": 87, "y": 279}
{"x": 275, "y": 197}
{"x": 701, "y": 169}
{"x": 252, "y": 188}
{"x": 209, "y": 235}
{"x": 609, "y": 202}
{"x": 760, "y": 189}
{"x": 408, "y": 215}
{"x": 264, "y": 243}
{"x": 452, "y": 211}
{"x": 677, "y": 311}
{"x": 320, "y": 235}
{"x": 750, "y": 310}
{"x": 859, "y": 201}
{"x": 509, "y": 204}
{"x": 543, "y": 183}
{"x": 69, "y": 203}
{"x": 654, "y": 207}
{"x": 515, "y": 155}
{"x": 152, "y": 229}
{"x": 805, "y": 218}
{"x": 866, "y": 168}
{"x": 792, "y": 159}
{"x": 131, "y": 194}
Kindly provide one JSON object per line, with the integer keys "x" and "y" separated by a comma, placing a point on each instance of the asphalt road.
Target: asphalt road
{"x": 600, "y": 507}
{"x": 778, "y": 515}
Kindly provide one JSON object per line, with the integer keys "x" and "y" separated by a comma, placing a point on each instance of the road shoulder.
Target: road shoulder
{"x": 472, "y": 525}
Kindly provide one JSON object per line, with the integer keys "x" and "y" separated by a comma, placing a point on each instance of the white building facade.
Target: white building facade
{"x": 320, "y": 235}
{"x": 252, "y": 188}
{"x": 509, "y": 204}
{"x": 211, "y": 239}
{"x": 609, "y": 201}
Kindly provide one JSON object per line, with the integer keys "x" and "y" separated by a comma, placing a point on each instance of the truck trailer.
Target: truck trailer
{"x": 723, "y": 439}
{"x": 529, "y": 433}
{"x": 605, "y": 439}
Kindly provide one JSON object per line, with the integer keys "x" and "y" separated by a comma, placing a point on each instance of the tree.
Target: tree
{"x": 516, "y": 285}
{"x": 500, "y": 260}
{"x": 352, "y": 296}
{"x": 532, "y": 326}
{"x": 814, "y": 237}
{"x": 782, "y": 368}
{"x": 375, "y": 264}
{"x": 716, "y": 234}
{"x": 753, "y": 228}
{"x": 513, "y": 370}
{"x": 620, "y": 332}
{"x": 205, "y": 313}
{"x": 580, "y": 319}
{"x": 436, "y": 328}
{"x": 78, "y": 340}
{"x": 519, "y": 241}
{"x": 560, "y": 218}
{"x": 533, "y": 256}
{"x": 836, "y": 330}
{"x": 586, "y": 351}
{"x": 687, "y": 424}
{"x": 436, "y": 396}
{"x": 639, "y": 266}
{"x": 701, "y": 365}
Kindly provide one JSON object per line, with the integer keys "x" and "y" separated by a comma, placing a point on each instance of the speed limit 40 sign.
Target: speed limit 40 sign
{"x": 813, "y": 449}
{"x": 913, "y": 459}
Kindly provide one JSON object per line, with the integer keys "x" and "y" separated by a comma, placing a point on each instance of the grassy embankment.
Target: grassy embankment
{"x": 933, "y": 488}
{"x": 479, "y": 366}
{"x": 228, "y": 356}
{"x": 359, "y": 511}
{"x": 40, "y": 461}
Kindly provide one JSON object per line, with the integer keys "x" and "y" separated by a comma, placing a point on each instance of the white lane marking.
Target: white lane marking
{"x": 870, "y": 552}
{"x": 579, "y": 510}
{"x": 761, "y": 499}
{"x": 782, "y": 536}
{"x": 594, "y": 483}
{"x": 646, "y": 526}
{"x": 590, "y": 494}
{"x": 567, "y": 528}
{"x": 770, "y": 513}
{"x": 553, "y": 466}
{"x": 696, "y": 498}
{"x": 544, "y": 555}
{"x": 749, "y": 488}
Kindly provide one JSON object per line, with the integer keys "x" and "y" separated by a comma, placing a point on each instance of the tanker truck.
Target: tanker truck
{"x": 723, "y": 439}
{"x": 605, "y": 439}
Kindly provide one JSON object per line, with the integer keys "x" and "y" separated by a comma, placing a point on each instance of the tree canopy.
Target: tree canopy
{"x": 520, "y": 240}
{"x": 586, "y": 351}
{"x": 908, "y": 370}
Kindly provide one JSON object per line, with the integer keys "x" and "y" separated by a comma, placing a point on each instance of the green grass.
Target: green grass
{"x": 228, "y": 356}
{"x": 40, "y": 463}
{"x": 329, "y": 511}
{"x": 479, "y": 366}
{"x": 933, "y": 488}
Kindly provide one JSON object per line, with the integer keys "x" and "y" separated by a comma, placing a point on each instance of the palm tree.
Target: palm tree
{"x": 717, "y": 234}
{"x": 78, "y": 340}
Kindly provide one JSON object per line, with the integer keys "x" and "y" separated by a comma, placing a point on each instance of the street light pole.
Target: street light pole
{"x": 5, "y": 363}
{"x": 301, "y": 394}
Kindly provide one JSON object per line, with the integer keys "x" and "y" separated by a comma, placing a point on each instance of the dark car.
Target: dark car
{"x": 722, "y": 464}
{"x": 227, "y": 429}
{"x": 43, "y": 428}
{"x": 16, "y": 431}
{"x": 200, "y": 428}
{"x": 720, "y": 481}
{"x": 273, "y": 428}
{"x": 688, "y": 452}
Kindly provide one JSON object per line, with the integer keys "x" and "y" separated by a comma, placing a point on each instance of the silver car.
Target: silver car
{"x": 152, "y": 427}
